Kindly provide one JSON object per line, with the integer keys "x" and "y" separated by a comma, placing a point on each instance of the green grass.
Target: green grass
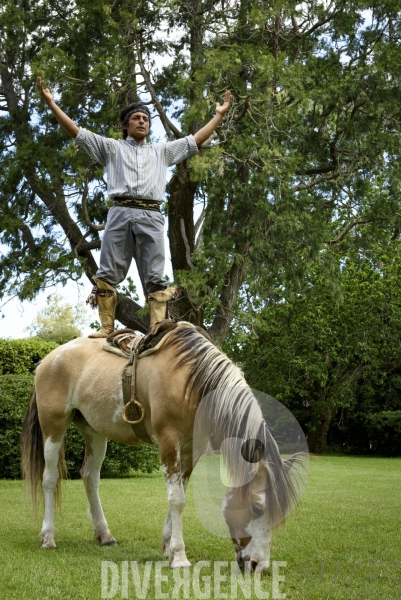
{"x": 350, "y": 512}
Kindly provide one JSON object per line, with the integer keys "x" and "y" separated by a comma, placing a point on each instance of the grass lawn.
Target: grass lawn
{"x": 346, "y": 531}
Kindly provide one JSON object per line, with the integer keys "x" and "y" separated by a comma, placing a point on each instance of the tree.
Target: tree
{"x": 308, "y": 155}
{"x": 58, "y": 322}
{"x": 313, "y": 353}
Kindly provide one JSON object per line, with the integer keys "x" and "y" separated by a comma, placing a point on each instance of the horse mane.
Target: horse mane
{"x": 211, "y": 370}
{"x": 217, "y": 387}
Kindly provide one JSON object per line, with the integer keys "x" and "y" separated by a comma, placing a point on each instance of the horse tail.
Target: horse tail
{"x": 33, "y": 456}
{"x": 32, "y": 451}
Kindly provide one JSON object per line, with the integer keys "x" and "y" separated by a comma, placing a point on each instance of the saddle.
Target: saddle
{"x": 126, "y": 343}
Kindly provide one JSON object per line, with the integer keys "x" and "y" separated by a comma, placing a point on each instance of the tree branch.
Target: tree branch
{"x": 27, "y": 237}
{"x": 325, "y": 18}
{"x": 243, "y": 110}
{"x": 127, "y": 313}
{"x": 185, "y": 240}
{"x": 307, "y": 186}
{"x": 347, "y": 230}
{"x": 315, "y": 170}
{"x": 85, "y": 213}
{"x": 80, "y": 249}
{"x": 232, "y": 283}
{"x": 169, "y": 127}
{"x": 199, "y": 221}
{"x": 49, "y": 190}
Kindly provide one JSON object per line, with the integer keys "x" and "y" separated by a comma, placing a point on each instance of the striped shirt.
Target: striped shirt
{"x": 136, "y": 170}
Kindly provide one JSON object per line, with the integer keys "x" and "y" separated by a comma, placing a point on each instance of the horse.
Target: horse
{"x": 80, "y": 383}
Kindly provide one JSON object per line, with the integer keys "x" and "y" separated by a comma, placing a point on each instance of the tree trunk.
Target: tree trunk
{"x": 317, "y": 439}
{"x": 228, "y": 297}
{"x": 127, "y": 314}
{"x": 180, "y": 207}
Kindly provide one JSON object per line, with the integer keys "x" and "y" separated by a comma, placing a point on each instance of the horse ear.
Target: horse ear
{"x": 257, "y": 455}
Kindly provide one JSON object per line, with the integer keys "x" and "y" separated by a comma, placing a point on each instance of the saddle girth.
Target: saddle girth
{"x": 133, "y": 412}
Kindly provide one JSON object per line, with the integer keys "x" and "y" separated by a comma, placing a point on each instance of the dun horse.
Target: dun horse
{"x": 80, "y": 383}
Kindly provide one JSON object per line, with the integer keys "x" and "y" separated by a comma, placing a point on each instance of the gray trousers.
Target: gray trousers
{"x": 133, "y": 233}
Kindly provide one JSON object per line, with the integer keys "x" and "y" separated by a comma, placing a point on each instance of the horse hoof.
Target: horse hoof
{"x": 105, "y": 539}
{"x": 177, "y": 564}
{"x": 109, "y": 541}
{"x": 49, "y": 545}
{"x": 262, "y": 566}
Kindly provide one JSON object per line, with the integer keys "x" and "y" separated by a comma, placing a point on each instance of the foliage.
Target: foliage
{"x": 58, "y": 322}
{"x": 377, "y": 391}
{"x": 306, "y": 161}
{"x": 302, "y": 176}
{"x": 384, "y": 430}
{"x": 15, "y": 391}
{"x": 314, "y": 354}
{"x": 23, "y": 356}
{"x": 120, "y": 460}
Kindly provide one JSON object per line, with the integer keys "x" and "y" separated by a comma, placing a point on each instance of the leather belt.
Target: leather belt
{"x": 131, "y": 202}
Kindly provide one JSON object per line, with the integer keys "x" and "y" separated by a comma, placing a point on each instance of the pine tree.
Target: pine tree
{"x": 306, "y": 160}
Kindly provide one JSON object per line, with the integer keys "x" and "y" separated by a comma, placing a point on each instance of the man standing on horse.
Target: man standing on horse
{"x": 136, "y": 181}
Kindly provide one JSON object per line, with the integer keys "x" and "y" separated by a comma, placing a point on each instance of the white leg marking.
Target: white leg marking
{"x": 167, "y": 528}
{"x": 91, "y": 475}
{"x": 176, "y": 504}
{"x": 49, "y": 483}
{"x": 166, "y": 535}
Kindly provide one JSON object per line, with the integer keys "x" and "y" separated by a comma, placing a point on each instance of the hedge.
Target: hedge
{"x": 15, "y": 391}
{"x": 23, "y": 356}
{"x": 384, "y": 430}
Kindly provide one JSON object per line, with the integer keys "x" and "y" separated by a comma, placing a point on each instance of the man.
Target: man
{"x": 136, "y": 180}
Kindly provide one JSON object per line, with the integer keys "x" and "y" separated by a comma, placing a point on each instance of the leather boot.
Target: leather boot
{"x": 158, "y": 304}
{"x": 106, "y": 308}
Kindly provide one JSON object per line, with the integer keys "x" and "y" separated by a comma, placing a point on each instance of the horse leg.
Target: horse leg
{"x": 95, "y": 451}
{"x": 176, "y": 481}
{"x": 49, "y": 485}
{"x": 166, "y": 537}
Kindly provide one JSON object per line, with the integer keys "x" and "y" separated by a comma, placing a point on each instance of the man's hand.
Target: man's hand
{"x": 204, "y": 134}
{"x": 45, "y": 93}
{"x": 65, "y": 121}
{"x": 221, "y": 109}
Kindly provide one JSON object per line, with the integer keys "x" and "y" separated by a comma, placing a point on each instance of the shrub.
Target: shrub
{"x": 384, "y": 429}
{"x": 348, "y": 433}
{"x": 22, "y": 356}
{"x": 15, "y": 391}
{"x": 119, "y": 461}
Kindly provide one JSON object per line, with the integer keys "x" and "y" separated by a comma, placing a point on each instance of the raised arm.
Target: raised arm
{"x": 65, "y": 122}
{"x": 203, "y": 134}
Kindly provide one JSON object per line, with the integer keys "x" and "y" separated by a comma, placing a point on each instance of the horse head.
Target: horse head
{"x": 245, "y": 511}
{"x": 259, "y": 500}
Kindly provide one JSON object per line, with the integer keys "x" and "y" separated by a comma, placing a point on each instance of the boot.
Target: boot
{"x": 106, "y": 307}
{"x": 158, "y": 304}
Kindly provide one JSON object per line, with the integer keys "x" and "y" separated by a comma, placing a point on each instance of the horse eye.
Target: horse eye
{"x": 257, "y": 511}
